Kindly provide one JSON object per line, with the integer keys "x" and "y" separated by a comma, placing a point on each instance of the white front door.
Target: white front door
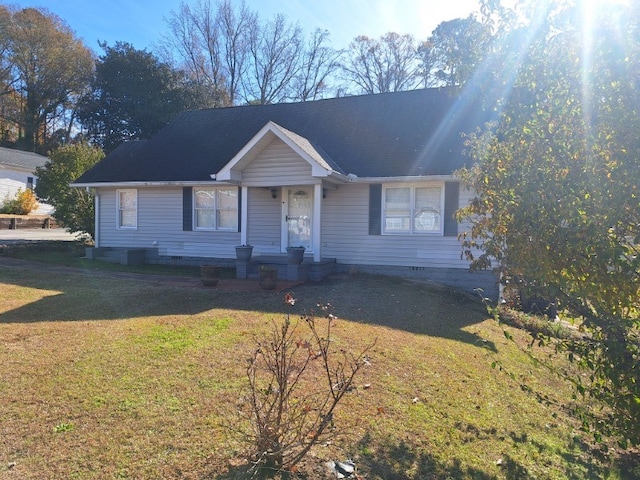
{"x": 297, "y": 227}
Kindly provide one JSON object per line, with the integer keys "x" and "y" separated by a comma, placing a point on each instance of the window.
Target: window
{"x": 412, "y": 209}
{"x": 215, "y": 208}
{"x": 127, "y": 209}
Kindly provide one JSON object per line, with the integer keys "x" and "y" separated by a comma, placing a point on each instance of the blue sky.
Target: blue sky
{"x": 141, "y": 22}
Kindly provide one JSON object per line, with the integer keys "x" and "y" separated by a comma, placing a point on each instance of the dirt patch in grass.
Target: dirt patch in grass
{"x": 110, "y": 377}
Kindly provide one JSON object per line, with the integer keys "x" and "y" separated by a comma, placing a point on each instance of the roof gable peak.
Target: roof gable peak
{"x": 321, "y": 164}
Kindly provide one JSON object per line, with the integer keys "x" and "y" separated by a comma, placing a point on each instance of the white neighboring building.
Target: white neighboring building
{"x": 17, "y": 172}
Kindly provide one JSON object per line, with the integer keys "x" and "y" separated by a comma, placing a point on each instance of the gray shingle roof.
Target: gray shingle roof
{"x": 391, "y": 134}
{"x": 20, "y": 159}
{"x": 314, "y": 151}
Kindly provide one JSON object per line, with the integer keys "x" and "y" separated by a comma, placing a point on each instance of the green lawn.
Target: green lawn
{"x": 117, "y": 378}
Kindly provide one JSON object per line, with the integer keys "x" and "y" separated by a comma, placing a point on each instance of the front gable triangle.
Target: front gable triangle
{"x": 321, "y": 164}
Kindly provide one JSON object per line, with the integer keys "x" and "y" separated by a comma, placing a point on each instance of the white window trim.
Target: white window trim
{"x": 119, "y": 210}
{"x": 215, "y": 228}
{"x": 412, "y": 187}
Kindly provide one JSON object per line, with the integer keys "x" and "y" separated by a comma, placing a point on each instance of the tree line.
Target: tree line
{"x": 214, "y": 53}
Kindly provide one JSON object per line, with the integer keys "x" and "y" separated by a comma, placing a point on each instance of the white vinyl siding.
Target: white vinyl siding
{"x": 412, "y": 209}
{"x": 160, "y": 225}
{"x": 264, "y": 221}
{"x": 345, "y": 236}
{"x": 345, "y": 229}
{"x": 127, "y": 209}
{"x": 277, "y": 165}
{"x": 215, "y": 208}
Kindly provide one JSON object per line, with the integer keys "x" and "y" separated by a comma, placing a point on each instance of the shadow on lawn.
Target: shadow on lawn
{"x": 78, "y": 295}
{"x": 396, "y": 462}
{"x": 400, "y": 304}
{"x": 401, "y": 462}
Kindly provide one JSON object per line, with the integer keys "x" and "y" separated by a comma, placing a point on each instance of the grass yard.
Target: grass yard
{"x": 107, "y": 378}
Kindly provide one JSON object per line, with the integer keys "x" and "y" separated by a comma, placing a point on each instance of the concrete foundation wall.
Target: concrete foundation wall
{"x": 456, "y": 278}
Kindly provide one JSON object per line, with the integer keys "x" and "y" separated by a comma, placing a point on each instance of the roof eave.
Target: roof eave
{"x": 144, "y": 184}
{"x": 400, "y": 179}
{"x": 336, "y": 177}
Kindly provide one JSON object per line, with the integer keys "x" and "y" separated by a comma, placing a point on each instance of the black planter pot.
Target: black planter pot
{"x": 244, "y": 252}
{"x": 295, "y": 255}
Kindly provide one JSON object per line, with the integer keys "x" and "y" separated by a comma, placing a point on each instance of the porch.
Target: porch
{"x": 308, "y": 270}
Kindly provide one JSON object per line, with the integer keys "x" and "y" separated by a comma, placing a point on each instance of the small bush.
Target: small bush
{"x": 294, "y": 387}
{"x": 536, "y": 324}
{"x": 23, "y": 203}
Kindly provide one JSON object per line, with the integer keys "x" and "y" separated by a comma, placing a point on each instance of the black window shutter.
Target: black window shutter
{"x": 187, "y": 208}
{"x": 451, "y": 196}
{"x": 239, "y": 209}
{"x": 375, "y": 209}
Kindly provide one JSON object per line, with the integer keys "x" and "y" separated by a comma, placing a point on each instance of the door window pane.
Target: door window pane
{"x": 299, "y": 220}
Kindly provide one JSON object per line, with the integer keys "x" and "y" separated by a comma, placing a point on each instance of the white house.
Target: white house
{"x": 362, "y": 182}
{"x": 17, "y": 172}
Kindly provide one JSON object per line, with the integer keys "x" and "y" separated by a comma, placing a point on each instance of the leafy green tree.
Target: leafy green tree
{"x": 457, "y": 49}
{"x": 558, "y": 203}
{"x": 44, "y": 66}
{"x": 133, "y": 96}
{"x": 6, "y": 78}
{"x": 74, "y": 207}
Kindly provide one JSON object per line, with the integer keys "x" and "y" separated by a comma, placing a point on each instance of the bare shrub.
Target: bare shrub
{"x": 294, "y": 387}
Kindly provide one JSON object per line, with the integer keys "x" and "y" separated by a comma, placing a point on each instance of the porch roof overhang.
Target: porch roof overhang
{"x": 322, "y": 166}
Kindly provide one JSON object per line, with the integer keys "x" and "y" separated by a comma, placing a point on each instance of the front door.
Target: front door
{"x": 298, "y": 221}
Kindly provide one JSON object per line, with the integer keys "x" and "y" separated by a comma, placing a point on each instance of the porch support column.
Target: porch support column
{"x": 317, "y": 222}
{"x": 96, "y": 220}
{"x": 244, "y": 216}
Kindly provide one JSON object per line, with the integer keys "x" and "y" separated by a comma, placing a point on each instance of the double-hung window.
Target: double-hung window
{"x": 412, "y": 209}
{"x": 127, "y": 209}
{"x": 215, "y": 208}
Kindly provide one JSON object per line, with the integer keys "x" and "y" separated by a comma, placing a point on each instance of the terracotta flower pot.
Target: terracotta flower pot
{"x": 209, "y": 274}
{"x": 267, "y": 277}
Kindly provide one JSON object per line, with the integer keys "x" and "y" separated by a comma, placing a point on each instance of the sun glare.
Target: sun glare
{"x": 592, "y": 13}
